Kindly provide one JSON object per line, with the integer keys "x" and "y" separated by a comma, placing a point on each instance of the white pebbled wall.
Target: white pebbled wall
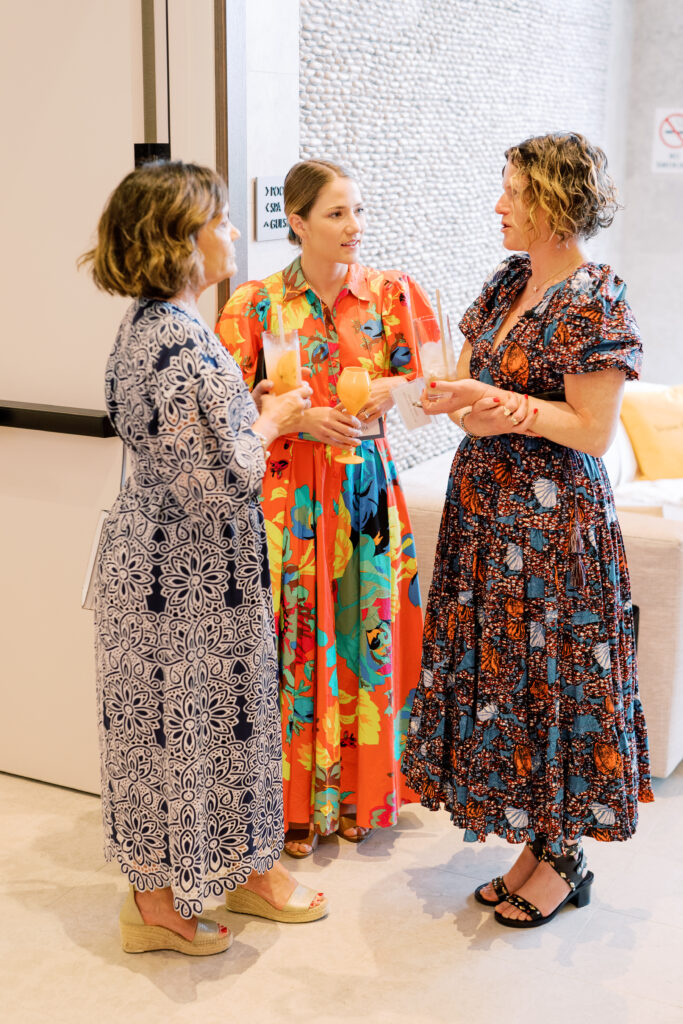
{"x": 421, "y": 98}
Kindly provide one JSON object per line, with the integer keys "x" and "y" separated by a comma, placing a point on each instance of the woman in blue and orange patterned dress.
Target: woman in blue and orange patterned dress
{"x": 342, "y": 559}
{"x": 527, "y": 722}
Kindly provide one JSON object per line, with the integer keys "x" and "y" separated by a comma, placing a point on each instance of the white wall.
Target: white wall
{"x": 652, "y": 233}
{"x": 71, "y": 111}
{"x": 52, "y": 488}
{"x": 67, "y": 75}
{"x": 420, "y": 99}
{"x": 191, "y": 86}
{"x": 72, "y": 108}
{"x": 272, "y": 112}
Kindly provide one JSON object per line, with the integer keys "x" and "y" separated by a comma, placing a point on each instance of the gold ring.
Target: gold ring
{"x": 514, "y": 420}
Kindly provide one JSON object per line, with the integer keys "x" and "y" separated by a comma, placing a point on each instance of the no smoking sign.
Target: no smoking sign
{"x": 667, "y": 147}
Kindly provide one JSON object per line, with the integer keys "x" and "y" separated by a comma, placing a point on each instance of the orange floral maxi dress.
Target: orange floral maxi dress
{"x": 342, "y": 558}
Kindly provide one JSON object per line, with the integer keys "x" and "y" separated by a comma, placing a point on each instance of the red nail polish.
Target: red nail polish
{"x": 433, "y": 384}
{"x": 526, "y": 396}
{"x": 496, "y": 399}
{"x": 535, "y": 410}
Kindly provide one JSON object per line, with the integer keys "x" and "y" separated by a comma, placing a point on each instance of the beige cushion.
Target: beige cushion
{"x": 620, "y": 460}
{"x": 654, "y": 423}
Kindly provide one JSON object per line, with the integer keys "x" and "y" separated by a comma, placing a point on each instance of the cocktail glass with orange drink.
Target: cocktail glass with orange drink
{"x": 283, "y": 360}
{"x": 353, "y": 391}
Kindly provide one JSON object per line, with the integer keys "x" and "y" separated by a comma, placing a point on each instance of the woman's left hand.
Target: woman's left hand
{"x": 509, "y": 414}
{"x": 264, "y": 387}
{"x": 381, "y": 397}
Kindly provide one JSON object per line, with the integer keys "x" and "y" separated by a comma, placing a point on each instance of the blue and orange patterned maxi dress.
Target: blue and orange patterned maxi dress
{"x": 527, "y": 719}
{"x": 342, "y": 559}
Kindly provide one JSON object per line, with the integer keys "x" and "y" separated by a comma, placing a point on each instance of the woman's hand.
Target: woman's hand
{"x": 450, "y": 395}
{"x": 281, "y": 414}
{"x": 264, "y": 387}
{"x": 509, "y": 414}
{"x": 331, "y": 425}
{"x": 381, "y": 397}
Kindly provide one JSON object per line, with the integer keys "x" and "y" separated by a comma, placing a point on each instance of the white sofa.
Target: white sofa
{"x": 651, "y": 518}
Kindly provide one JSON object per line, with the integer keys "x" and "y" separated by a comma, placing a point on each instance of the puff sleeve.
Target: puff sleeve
{"x": 241, "y": 323}
{"x": 594, "y": 329}
{"x": 403, "y": 302}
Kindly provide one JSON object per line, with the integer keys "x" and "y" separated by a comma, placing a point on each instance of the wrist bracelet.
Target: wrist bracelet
{"x": 264, "y": 443}
{"x": 464, "y": 413}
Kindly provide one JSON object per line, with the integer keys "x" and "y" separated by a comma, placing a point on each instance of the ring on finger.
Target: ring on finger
{"x": 513, "y": 419}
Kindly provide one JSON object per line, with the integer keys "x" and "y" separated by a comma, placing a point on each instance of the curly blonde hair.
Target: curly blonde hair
{"x": 566, "y": 177}
{"x": 146, "y": 237}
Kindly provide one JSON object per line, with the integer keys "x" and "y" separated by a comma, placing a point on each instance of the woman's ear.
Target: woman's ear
{"x": 298, "y": 225}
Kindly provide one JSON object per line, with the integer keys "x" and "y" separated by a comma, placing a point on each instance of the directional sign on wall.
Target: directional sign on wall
{"x": 270, "y": 209}
{"x": 667, "y": 145}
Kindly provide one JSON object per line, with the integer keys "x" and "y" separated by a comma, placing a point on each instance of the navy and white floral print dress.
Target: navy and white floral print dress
{"x": 191, "y": 758}
{"x": 527, "y": 719}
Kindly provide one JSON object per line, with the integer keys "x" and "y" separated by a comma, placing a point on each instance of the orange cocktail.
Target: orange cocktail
{"x": 283, "y": 360}
{"x": 353, "y": 390}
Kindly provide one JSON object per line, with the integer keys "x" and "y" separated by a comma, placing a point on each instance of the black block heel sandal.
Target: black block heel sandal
{"x": 573, "y": 870}
{"x": 499, "y": 887}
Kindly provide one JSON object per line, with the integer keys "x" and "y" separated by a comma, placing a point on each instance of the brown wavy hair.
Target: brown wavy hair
{"x": 566, "y": 177}
{"x": 303, "y": 184}
{"x": 146, "y": 237}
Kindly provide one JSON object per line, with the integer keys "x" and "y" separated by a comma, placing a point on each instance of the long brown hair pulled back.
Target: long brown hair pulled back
{"x": 303, "y": 185}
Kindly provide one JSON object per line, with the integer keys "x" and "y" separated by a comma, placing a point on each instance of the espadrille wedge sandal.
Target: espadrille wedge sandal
{"x": 297, "y": 910}
{"x": 138, "y": 937}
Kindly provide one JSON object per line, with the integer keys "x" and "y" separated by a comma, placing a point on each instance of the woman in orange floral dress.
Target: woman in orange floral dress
{"x": 344, "y": 577}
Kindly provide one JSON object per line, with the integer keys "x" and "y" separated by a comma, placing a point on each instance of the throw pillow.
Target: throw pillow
{"x": 654, "y": 424}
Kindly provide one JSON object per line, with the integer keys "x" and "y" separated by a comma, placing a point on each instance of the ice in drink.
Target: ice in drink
{"x": 283, "y": 360}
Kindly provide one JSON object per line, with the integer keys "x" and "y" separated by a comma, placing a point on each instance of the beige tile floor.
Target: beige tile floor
{"x": 404, "y": 940}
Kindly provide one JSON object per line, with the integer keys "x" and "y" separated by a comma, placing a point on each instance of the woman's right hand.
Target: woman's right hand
{"x": 281, "y": 414}
{"x": 450, "y": 395}
{"x": 332, "y": 426}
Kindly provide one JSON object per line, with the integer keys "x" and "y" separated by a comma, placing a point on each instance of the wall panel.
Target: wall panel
{"x": 420, "y": 98}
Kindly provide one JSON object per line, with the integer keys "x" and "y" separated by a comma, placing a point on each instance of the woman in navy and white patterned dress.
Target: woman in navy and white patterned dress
{"x": 186, "y": 671}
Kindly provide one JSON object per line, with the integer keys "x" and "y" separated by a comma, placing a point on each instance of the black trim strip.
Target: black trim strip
{"x": 57, "y": 418}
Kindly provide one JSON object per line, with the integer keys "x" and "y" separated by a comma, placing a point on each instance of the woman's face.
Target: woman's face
{"x": 518, "y": 232}
{"x": 214, "y": 241}
{"x": 333, "y": 230}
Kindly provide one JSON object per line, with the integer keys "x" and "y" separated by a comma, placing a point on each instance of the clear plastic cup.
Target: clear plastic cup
{"x": 283, "y": 360}
{"x": 436, "y": 354}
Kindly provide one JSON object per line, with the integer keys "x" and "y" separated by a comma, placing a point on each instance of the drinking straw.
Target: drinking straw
{"x": 450, "y": 336}
{"x": 443, "y": 333}
{"x": 281, "y": 324}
